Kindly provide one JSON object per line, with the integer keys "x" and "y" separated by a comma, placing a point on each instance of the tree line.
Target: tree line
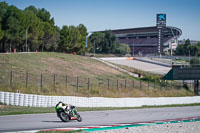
{"x": 34, "y": 29}
{"x": 107, "y": 42}
{"x": 188, "y": 49}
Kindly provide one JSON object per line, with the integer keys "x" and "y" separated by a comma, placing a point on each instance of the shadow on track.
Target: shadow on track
{"x": 59, "y": 121}
{"x": 54, "y": 121}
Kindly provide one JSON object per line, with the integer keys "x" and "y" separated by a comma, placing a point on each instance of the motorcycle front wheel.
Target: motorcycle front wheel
{"x": 79, "y": 118}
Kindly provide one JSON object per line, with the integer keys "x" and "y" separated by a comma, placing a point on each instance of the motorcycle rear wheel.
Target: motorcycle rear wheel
{"x": 63, "y": 116}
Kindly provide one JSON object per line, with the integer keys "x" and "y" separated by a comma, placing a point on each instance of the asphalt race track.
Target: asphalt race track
{"x": 143, "y": 66}
{"x": 94, "y": 118}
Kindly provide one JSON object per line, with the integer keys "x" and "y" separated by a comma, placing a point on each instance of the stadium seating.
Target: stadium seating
{"x": 144, "y": 40}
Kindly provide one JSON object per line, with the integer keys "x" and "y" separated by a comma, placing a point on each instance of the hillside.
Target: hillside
{"x": 48, "y": 64}
{"x": 66, "y": 74}
{"x": 56, "y": 63}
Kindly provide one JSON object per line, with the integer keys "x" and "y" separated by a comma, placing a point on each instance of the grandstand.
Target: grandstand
{"x": 150, "y": 40}
{"x": 144, "y": 40}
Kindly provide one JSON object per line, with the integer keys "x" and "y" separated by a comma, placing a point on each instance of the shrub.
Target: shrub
{"x": 194, "y": 61}
{"x": 122, "y": 49}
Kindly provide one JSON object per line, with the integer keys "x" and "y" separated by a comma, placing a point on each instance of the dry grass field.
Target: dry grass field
{"x": 52, "y": 73}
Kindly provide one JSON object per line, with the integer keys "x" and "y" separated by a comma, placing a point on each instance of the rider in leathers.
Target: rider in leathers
{"x": 67, "y": 107}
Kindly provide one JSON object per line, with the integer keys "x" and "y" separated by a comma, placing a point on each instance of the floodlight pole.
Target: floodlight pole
{"x": 171, "y": 49}
{"x": 189, "y": 55}
{"x": 26, "y": 40}
{"x": 86, "y": 39}
{"x": 10, "y": 47}
{"x": 94, "y": 48}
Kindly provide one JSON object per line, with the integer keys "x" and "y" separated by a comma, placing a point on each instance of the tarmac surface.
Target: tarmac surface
{"x": 146, "y": 65}
{"x": 94, "y": 118}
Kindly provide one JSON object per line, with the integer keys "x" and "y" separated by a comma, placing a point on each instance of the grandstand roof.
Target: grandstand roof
{"x": 149, "y": 30}
{"x": 135, "y": 30}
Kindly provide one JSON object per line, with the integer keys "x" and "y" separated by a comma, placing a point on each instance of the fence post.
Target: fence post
{"x": 41, "y": 81}
{"x": 148, "y": 85}
{"x": 154, "y": 86}
{"x": 125, "y": 83}
{"x": 88, "y": 83}
{"x": 140, "y": 84}
{"x": 181, "y": 85}
{"x": 171, "y": 85}
{"x": 160, "y": 85}
{"x": 27, "y": 80}
{"x": 11, "y": 79}
{"x": 133, "y": 84}
{"x": 54, "y": 81}
{"x": 98, "y": 84}
{"x": 66, "y": 80}
{"x": 77, "y": 83}
{"x": 117, "y": 84}
{"x": 108, "y": 84}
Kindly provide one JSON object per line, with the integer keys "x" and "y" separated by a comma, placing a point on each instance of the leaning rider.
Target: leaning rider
{"x": 67, "y": 107}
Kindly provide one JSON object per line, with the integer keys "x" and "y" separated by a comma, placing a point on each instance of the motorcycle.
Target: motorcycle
{"x": 66, "y": 115}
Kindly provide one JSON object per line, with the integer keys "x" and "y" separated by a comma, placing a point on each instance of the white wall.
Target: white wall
{"x": 50, "y": 101}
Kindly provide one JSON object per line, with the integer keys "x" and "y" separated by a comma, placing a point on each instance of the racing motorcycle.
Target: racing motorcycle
{"x": 65, "y": 115}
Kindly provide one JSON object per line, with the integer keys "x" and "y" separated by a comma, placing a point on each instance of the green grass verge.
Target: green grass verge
{"x": 17, "y": 110}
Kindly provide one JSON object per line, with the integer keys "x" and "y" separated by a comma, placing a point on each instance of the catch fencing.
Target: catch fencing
{"x": 50, "y": 101}
{"x": 51, "y": 84}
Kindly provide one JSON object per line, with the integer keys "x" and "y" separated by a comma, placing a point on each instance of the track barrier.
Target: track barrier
{"x": 30, "y": 100}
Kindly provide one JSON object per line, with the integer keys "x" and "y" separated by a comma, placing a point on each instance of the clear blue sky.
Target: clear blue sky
{"x": 118, "y": 14}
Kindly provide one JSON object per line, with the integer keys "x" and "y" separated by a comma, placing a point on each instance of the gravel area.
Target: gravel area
{"x": 187, "y": 127}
